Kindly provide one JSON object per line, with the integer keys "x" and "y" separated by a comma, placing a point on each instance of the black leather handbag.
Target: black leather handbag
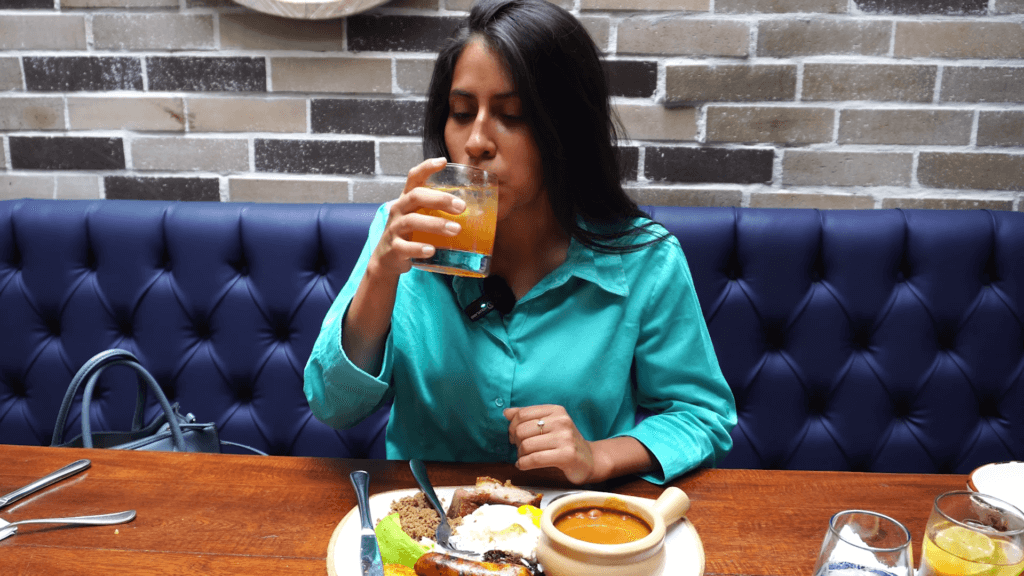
{"x": 169, "y": 432}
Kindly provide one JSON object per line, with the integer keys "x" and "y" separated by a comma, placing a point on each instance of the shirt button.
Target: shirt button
{"x": 499, "y": 402}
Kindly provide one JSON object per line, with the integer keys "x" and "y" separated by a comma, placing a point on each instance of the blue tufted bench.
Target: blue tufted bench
{"x": 853, "y": 340}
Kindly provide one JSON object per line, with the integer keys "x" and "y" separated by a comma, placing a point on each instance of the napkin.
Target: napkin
{"x": 859, "y": 553}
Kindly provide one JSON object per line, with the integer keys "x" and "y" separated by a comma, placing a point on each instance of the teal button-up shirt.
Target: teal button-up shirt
{"x": 601, "y": 335}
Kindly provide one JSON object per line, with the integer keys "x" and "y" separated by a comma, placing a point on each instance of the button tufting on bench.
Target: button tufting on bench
{"x": 879, "y": 340}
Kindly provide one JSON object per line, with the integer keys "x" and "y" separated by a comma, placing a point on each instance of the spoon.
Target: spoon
{"x": 444, "y": 529}
{"x": 9, "y": 528}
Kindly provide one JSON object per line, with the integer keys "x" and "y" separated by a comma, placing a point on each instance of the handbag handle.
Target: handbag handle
{"x": 87, "y": 369}
{"x": 91, "y": 371}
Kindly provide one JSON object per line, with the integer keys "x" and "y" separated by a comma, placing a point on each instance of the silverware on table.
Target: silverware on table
{"x": 10, "y": 528}
{"x": 51, "y": 478}
{"x": 444, "y": 529}
{"x": 369, "y": 552}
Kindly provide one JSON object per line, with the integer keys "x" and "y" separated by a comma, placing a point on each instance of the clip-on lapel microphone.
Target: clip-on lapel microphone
{"x": 497, "y": 295}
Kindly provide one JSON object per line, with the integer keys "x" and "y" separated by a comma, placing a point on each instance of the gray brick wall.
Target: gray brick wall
{"x": 772, "y": 103}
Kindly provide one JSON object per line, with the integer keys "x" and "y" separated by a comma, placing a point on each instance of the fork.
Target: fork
{"x": 10, "y": 528}
{"x": 444, "y": 529}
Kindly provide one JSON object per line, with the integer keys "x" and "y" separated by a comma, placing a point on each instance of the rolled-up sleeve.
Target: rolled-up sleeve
{"x": 678, "y": 377}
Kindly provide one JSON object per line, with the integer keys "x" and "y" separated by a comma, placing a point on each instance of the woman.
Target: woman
{"x": 605, "y": 320}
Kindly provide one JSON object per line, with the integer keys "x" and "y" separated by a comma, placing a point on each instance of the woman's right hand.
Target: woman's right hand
{"x": 369, "y": 315}
{"x": 395, "y": 250}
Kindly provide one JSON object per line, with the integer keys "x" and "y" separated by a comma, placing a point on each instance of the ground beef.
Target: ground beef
{"x": 417, "y": 517}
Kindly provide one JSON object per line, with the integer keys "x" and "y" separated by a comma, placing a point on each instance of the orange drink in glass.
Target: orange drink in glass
{"x": 972, "y": 534}
{"x": 468, "y": 253}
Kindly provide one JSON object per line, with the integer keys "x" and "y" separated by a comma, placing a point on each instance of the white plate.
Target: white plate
{"x": 1002, "y": 480}
{"x": 684, "y": 552}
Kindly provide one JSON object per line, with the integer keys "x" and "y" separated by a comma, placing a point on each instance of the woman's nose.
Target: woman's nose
{"x": 480, "y": 143}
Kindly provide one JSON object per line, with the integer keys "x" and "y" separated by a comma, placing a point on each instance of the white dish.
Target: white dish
{"x": 684, "y": 552}
{"x": 1004, "y": 480}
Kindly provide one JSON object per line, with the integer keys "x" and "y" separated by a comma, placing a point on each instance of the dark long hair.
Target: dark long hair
{"x": 557, "y": 72}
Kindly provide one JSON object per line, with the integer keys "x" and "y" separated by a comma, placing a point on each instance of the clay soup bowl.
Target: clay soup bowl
{"x": 562, "y": 555}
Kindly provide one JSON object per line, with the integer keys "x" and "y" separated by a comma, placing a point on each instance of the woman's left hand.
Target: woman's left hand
{"x": 546, "y": 436}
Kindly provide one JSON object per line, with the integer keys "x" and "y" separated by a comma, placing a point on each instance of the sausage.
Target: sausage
{"x": 436, "y": 564}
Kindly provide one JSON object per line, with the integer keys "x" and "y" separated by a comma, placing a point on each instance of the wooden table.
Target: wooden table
{"x": 221, "y": 514}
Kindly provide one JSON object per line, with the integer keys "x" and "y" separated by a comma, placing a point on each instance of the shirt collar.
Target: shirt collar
{"x": 603, "y": 269}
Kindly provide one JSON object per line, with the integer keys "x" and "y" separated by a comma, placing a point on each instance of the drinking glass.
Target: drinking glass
{"x": 864, "y": 543}
{"x": 972, "y": 534}
{"x": 468, "y": 253}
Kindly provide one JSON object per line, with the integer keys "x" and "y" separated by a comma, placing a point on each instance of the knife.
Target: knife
{"x": 51, "y": 478}
{"x": 369, "y": 552}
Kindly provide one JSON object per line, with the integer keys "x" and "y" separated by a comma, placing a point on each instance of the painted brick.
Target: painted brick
{"x": 712, "y": 165}
{"x": 947, "y": 204}
{"x": 10, "y": 74}
{"x": 379, "y": 117}
{"x": 314, "y": 156}
{"x": 629, "y": 162}
{"x": 819, "y": 168}
{"x": 396, "y": 158}
{"x": 631, "y": 78}
{"x": 418, "y": 4}
{"x": 938, "y": 127}
{"x": 683, "y": 36}
{"x": 177, "y": 153}
{"x": 66, "y": 153}
{"x": 375, "y": 32}
{"x": 816, "y": 201}
{"x": 1001, "y": 128}
{"x": 14, "y": 186}
{"x": 32, "y": 113}
{"x": 123, "y": 113}
{"x": 152, "y": 31}
{"x": 412, "y": 75}
{"x": 376, "y": 190}
{"x": 811, "y": 37}
{"x": 135, "y": 4}
{"x": 360, "y": 75}
{"x": 655, "y": 5}
{"x": 465, "y": 5}
{"x": 787, "y": 125}
{"x": 246, "y": 114}
{"x": 28, "y": 4}
{"x": 653, "y": 122}
{"x": 960, "y": 39}
{"x": 684, "y": 196}
{"x": 779, "y": 6}
{"x": 984, "y": 84}
{"x": 1009, "y": 7}
{"x": 82, "y": 73}
{"x": 136, "y": 188}
{"x": 923, "y": 6}
{"x": 886, "y": 82}
{"x": 3, "y": 155}
{"x": 250, "y": 31}
{"x": 42, "y": 32}
{"x": 214, "y": 74}
{"x": 599, "y": 29}
{"x": 689, "y": 83}
{"x": 962, "y": 171}
{"x": 256, "y": 189}
{"x": 76, "y": 187}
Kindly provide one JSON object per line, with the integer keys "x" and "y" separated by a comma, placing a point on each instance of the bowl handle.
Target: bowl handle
{"x": 672, "y": 505}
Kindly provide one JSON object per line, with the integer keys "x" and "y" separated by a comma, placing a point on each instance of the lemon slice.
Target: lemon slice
{"x": 967, "y": 544}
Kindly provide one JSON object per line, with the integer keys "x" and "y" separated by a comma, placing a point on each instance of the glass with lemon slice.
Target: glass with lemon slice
{"x": 972, "y": 534}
